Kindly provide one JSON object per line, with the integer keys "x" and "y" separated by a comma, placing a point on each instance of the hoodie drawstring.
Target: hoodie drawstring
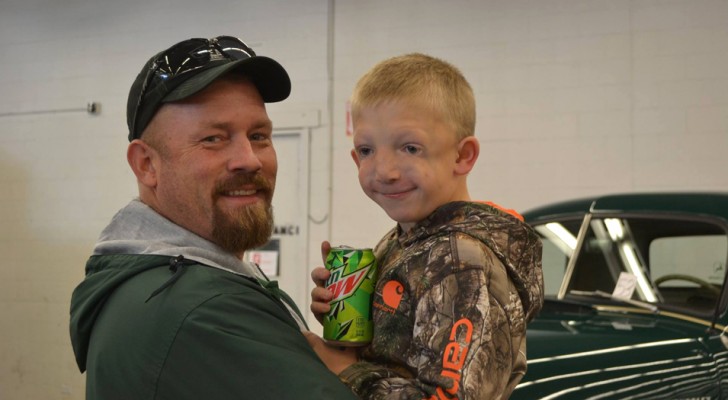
{"x": 174, "y": 265}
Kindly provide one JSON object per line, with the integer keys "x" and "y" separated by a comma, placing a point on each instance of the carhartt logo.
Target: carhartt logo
{"x": 392, "y": 293}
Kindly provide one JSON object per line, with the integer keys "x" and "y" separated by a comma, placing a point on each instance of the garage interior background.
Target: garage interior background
{"x": 575, "y": 97}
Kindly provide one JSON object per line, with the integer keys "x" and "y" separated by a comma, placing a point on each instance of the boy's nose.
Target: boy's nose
{"x": 386, "y": 169}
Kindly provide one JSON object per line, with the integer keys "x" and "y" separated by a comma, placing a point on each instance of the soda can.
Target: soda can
{"x": 352, "y": 280}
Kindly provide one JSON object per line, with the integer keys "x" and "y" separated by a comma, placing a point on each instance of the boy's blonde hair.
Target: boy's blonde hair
{"x": 424, "y": 79}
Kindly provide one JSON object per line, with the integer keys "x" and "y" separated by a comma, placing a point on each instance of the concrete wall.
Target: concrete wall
{"x": 575, "y": 97}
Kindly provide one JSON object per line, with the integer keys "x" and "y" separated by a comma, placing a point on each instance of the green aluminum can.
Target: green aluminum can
{"x": 352, "y": 280}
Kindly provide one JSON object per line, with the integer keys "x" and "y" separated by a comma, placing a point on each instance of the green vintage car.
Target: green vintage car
{"x": 636, "y": 306}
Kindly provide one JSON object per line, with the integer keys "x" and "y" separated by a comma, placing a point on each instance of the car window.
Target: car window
{"x": 689, "y": 270}
{"x": 702, "y": 256}
{"x": 675, "y": 263}
{"x": 597, "y": 267}
{"x": 559, "y": 242}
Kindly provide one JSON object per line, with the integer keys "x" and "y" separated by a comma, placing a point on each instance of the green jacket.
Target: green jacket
{"x": 166, "y": 327}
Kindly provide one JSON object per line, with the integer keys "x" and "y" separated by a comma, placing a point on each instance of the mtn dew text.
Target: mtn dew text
{"x": 352, "y": 280}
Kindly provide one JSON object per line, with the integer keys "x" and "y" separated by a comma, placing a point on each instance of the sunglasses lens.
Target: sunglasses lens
{"x": 234, "y": 47}
{"x": 183, "y": 57}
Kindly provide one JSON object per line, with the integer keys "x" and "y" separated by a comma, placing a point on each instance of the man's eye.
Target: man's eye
{"x": 211, "y": 139}
{"x": 259, "y": 137}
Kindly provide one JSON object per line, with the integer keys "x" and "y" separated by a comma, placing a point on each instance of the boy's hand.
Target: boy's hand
{"x": 320, "y": 296}
{"x": 336, "y": 359}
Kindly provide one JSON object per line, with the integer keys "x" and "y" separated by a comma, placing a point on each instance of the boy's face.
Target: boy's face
{"x": 407, "y": 159}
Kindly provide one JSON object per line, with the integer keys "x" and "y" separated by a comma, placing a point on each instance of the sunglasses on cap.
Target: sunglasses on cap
{"x": 170, "y": 66}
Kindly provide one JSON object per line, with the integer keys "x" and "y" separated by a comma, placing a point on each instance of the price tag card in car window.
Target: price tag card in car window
{"x": 625, "y": 286}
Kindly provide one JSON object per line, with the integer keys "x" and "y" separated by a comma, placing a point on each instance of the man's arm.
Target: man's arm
{"x": 241, "y": 346}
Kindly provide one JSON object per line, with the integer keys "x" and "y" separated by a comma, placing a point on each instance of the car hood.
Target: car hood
{"x": 583, "y": 350}
{"x": 565, "y": 329}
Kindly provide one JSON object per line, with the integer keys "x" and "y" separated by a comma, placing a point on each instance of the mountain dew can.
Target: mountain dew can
{"x": 352, "y": 280}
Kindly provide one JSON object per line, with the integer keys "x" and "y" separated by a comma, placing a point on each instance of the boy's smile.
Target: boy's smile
{"x": 407, "y": 158}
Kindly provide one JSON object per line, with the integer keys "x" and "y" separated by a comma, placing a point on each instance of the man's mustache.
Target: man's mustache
{"x": 241, "y": 181}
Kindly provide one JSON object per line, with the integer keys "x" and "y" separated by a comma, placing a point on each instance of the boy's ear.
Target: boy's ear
{"x": 355, "y": 157}
{"x": 141, "y": 158}
{"x": 468, "y": 151}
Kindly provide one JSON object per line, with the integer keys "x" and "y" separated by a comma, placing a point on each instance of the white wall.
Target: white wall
{"x": 575, "y": 97}
{"x": 64, "y": 174}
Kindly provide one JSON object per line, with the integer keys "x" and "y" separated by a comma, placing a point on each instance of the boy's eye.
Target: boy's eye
{"x": 363, "y": 151}
{"x": 411, "y": 149}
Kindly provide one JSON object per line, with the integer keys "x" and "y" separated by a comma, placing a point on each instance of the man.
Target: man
{"x": 168, "y": 309}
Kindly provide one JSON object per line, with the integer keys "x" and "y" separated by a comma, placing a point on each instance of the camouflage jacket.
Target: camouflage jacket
{"x": 450, "y": 307}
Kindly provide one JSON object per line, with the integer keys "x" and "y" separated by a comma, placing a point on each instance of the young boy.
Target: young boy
{"x": 458, "y": 280}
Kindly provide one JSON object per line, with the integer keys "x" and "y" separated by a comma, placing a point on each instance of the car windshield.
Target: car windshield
{"x": 669, "y": 262}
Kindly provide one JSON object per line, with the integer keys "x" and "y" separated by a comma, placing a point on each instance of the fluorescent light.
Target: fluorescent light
{"x": 615, "y": 228}
{"x": 562, "y": 233}
{"x": 636, "y": 269}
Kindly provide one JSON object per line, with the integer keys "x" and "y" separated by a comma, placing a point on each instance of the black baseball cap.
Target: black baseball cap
{"x": 190, "y": 66}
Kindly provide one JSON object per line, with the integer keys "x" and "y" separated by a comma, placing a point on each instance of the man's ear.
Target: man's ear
{"x": 468, "y": 151}
{"x": 355, "y": 157}
{"x": 141, "y": 158}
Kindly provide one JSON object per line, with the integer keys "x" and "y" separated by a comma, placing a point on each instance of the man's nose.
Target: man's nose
{"x": 243, "y": 157}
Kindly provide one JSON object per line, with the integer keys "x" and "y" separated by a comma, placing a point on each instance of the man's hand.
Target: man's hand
{"x": 336, "y": 359}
